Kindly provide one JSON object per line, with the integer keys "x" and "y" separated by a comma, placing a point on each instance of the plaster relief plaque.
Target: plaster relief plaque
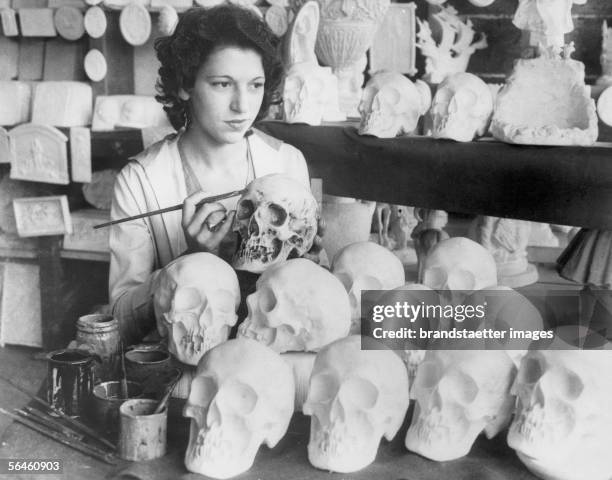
{"x": 37, "y": 22}
{"x": 15, "y": 101}
{"x": 127, "y": 111}
{"x": 9, "y": 58}
{"x": 135, "y": 24}
{"x": 69, "y": 23}
{"x": 9, "y": 22}
{"x": 38, "y": 154}
{"x": 5, "y": 154}
{"x": 80, "y": 154}
{"x": 95, "y": 22}
{"x": 394, "y": 46}
{"x": 95, "y": 65}
{"x": 84, "y": 237}
{"x": 39, "y": 216}
{"x": 62, "y": 104}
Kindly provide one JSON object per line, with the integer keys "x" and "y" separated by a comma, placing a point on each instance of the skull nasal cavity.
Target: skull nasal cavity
{"x": 245, "y": 210}
{"x": 277, "y": 215}
{"x": 187, "y": 298}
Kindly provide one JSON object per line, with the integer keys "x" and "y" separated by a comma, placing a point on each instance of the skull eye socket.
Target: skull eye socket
{"x": 459, "y": 386}
{"x": 322, "y": 389}
{"x": 434, "y": 278}
{"x": 275, "y": 215}
{"x": 428, "y": 375}
{"x": 531, "y": 371}
{"x": 245, "y": 209}
{"x": 203, "y": 390}
{"x": 567, "y": 384}
{"x": 187, "y": 298}
{"x": 240, "y": 397}
{"x": 267, "y": 300}
{"x": 359, "y": 392}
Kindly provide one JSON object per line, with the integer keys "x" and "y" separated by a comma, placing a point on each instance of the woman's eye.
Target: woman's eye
{"x": 221, "y": 84}
{"x": 257, "y": 85}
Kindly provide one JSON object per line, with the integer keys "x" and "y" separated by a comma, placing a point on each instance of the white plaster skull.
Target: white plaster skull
{"x": 195, "y": 304}
{"x": 298, "y": 306}
{"x": 458, "y": 394}
{"x": 562, "y": 429}
{"x": 366, "y": 266}
{"x": 461, "y": 108}
{"x": 305, "y": 93}
{"x": 241, "y": 396}
{"x": 390, "y": 106}
{"x": 355, "y": 397}
{"x": 276, "y": 219}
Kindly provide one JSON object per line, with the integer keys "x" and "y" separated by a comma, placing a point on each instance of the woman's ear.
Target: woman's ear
{"x": 183, "y": 94}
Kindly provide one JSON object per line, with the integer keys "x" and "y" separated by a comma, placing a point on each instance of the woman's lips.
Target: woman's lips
{"x": 238, "y": 124}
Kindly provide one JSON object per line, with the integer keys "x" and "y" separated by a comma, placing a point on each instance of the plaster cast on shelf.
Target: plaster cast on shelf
{"x": 541, "y": 235}
{"x": 298, "y": 306}
{"x": 127, "y": 111}
{"x": 121, "y": 4}
{"x": 428, "y": 232}
{"x": 605, "y": 58}
{"x": 135, "y": 24}
{"x": 95, "y": 65}
{"x": 242, "y": 393}
{"x": 195, "y": 301}
{"x": 277, "y": 18}
{"x": 15, "y": 98}
{"x": 563, "y": 424}
{"x": 95, "y": 22}
{"x": 546, "y": 102}
{"x": 276, "y": 218}
{"x": 36, "y": 22}
{"x": 80, "y": 154}
{"x": 99, "y": 191}
{"x": 5, "y": 152}
{"x": 69, "y": 23}
{"x": 604, "y": 106}
{"x": 9, "y": 22}
{"x": 62, "y": 103}
{"x": 37, "y": 216}
{"x": 167, "y": 21}
{"x": 356, "y": 396}
{"x": 84, "y": 237}
{"x": 452, "y": 52}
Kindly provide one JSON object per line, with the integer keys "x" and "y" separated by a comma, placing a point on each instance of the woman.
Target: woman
{"x": 219, "y": 71}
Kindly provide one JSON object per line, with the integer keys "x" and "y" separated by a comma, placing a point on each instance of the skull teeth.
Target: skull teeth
{"x": 431, "y": 427}
{"x": 531, "y": 425}
{"x": 209, "y": 445}
{"x": 334, "y": 440}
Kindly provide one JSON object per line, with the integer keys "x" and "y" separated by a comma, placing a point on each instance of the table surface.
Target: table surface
{"x": 488, "y": 459}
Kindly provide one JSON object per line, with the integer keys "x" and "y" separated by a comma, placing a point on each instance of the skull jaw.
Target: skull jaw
{"x": 278, "y": 339}
{"x": 189, "y": 349}
{"x": 255, "y": 256}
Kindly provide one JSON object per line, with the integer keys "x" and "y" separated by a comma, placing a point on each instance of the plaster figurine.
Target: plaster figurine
{"x": 241, "y": 396}
{"x": 127, "y": 111}
{"x": 563, "y": 424}
{"x": 605, "y": 58}
{"x": 546, "y": 102}
{"x": 195, "y": 301}
{"x": 276, "y": 218}
{"x": 427, "y": 233}
{"x": 547, "y": 21}
{"x": 458, "y": 395}
{"x": 355, "y": 397}
{"x": 507, "y": 241}
{"x": 391, "y": 106}
{"x": 298, "y": 306}
{"x": 461, "y": 108}
{"x": 452, "y": 52}
{"x": 366, "y": 266}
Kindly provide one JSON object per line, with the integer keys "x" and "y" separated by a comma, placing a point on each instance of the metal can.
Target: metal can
{"x": 99, "y": 334}
{"x": 70, "y": 380}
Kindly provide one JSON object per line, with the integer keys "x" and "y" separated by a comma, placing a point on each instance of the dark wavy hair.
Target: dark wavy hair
{"x": 198, "y": 33}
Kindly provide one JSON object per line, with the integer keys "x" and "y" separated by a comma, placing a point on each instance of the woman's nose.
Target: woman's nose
{"x": 239, "y": 100}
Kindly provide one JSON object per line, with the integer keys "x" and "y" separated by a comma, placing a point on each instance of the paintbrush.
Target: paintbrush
{"x": 124, "y": 384}
{"x": 214, "y": 198}
{"x": 164, "y": 400}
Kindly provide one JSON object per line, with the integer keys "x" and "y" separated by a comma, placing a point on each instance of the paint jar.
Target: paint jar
{"x": 150, "y": 365}
{"x": 70, "y": 380}
{"x": 105, "y": 402}
{"x": 99, "y": 333}
{"x": 142, "y": 433}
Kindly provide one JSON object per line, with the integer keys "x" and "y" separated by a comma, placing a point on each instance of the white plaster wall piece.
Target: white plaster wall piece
{"x": 302, "y": 35}
{"x": 36, "y": 22}
{"x": 20, "y": 313}
{"x": 151, "y": 135}
{"x": 15, "y": 99}
{"x": 69, "y": 23}
{"x": 305, "y": 96}
{"x": 80, "y": 154}
{"x": 129, "y": 111}
{"x": 604, "y": 106}
{"x": 168, "y": 20}
{"x": 394, "y": 45}
{"x": 95, "y": 65}
{"x": 99, "y": 192}
{"x": 5, "y": 152}
{"x": 95, "y": 22}
{"x": 456, "y": 45}
{"x": 84, "y": 237}
{"x": 38, "y": 154}
{"x": 278, "y": 3}
{"x": 208, "y": 3}
{"x": 8, "y": 17}
{"x": 605, "y": 58}
{"x": 39, "y": 216}
{"x": 179, "y": 5}
{"x": 135, "y": 24}
{"x": 93, "y": 2}
{"x": 31, "y": 59}
{"x": 80, "y": 4}
{"x": 277, "y": 19}
{"x": 9, "y": 60}
{"x": 546, "y": 102}
{"x": 541, "y": 235}
{"x": 62, "y": 103}
{"x": 121, "y": 4}
{"x": 481, "y": 3}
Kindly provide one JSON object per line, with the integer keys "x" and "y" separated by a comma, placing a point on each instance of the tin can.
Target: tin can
{"x": 70, "y": 380}
{"x": 99, "y": 334}
{"x": 142, "y": 433}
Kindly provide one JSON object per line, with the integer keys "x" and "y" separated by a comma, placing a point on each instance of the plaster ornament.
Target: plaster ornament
{"x": 38, "y": 216}
{"x": 5, "y": 151}
{"x": 8, "y": 18}
{"x": 481, "y": 3}
{"x": 276, "y": 219}
{"x": 303, "y": 35}
{"x": 541, "y": 235}
{"x": 278, "y": 3}
{"x": 436, "y": 2}
{"x": 461, "y": 108}
{"x": 355, "y": 397}
{"x": 605, "y": 58}
{"x": 563, "y": 424}
{"x": 129, "y": 111}
{"x": 366, "y": 266}
{"x": 546, "y": 102}
{"x": 209, "y": 3}
{"x": 195, "y": 302}
{"x": 95, "y": 65}
{"x": 95, "y": 22}
{"x": 390, "y": 106}
{"x": 277, "y": 18}
{"x": 346, "y": 31}
{"x": 458, "y": 395}
{"x": 80, "y": 155}
{"x": 604, "y": 106}
{"x": 241, "y": 396}
{"x": 452, "y": 52}
{"x": 69, "y": 23}
{"x": 167, "y": 21}
{"x": 305, "y": 94}
{"x": 15, "y": 98}
{"x": 135, "y": 24}
{"x": 62, "y": 103}
{"x": 547, "y": 21}
{"x": 298, "y": 306}
{"x": 36, "y": 22}
{"x": 507, "y": 241}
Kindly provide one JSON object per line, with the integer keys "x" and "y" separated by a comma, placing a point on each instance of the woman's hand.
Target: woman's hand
{"x": 205, "y": 226}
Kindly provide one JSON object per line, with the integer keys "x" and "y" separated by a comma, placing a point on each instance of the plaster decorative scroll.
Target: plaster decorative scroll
{"x": 62, "y": 104}
{"x": 69, "y": 23}
{"x": 452, "y": 52}
{"x": 36, "y": 22}
{"x": 394, "y": 45}
{"x": 129, "y": 111}
{"x": 606, "y": 55}
{"x": 9, "y": 22}
{"x": 135, "y": 24}
{"x": 84, "y": 237}
{"x": 95, "y": 65}
{"x": 38, "y": 216}
{"x": 546, "y": 102}
{"x": 5, "y": 153}
{"x": 15, "y": 99}
{"x": 80, "y": 154}
{"x": 38, "y": 154}
{"x": 95, "y": 22}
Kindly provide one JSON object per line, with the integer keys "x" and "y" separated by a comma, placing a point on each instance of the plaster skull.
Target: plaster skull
{"x": 366, "y": 266}
{"x": 563, "y": 425}
{"x": 461, "y": 108}
{"x": 241, "y": 396}
{"x": 298, "y": 306}
{"x": 276, "y": 219}
{"x": 195, "y": 303}
{"x": 305, "y": 93}
{"x": 391, "y": 105}
{"x": 355, "y": 397}
{"x": 458, "y": 394}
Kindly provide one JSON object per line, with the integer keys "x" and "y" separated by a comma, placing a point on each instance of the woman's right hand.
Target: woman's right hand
{"x": 205, "y": 226}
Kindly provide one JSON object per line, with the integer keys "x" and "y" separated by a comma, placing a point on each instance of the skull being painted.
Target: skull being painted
{"x": 276, "y": 219}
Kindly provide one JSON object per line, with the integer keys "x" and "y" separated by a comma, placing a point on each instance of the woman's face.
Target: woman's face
{"x": 227, "y": 94}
